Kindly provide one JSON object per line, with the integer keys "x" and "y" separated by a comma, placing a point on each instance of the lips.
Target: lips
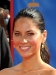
{"x": 24, "y": 48}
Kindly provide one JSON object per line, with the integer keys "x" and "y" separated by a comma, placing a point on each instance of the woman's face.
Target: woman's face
{"x": 27, "y": 38}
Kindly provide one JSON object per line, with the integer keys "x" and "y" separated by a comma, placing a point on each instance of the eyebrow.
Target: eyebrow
{"x": 26, "y": 31}
{"x": 30, "y": 31}
{"x": 16, "y": 31}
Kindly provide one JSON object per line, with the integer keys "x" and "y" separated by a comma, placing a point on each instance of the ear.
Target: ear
{"x": 44, "y": 36}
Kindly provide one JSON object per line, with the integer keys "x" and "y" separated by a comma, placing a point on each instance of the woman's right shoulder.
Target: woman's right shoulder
{"x": 11, "y": 71}
{"x": 8, "y": 71}
{"x": 5, "y": 71}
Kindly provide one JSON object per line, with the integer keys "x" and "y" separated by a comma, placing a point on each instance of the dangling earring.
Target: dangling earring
{"x": 43, "y": 46}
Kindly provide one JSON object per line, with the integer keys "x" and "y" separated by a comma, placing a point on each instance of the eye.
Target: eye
{"x": 30, "y": 34}
{"x": 17, "y": 34}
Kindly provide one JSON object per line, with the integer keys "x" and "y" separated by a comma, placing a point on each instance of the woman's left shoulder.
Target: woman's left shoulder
{"x": 48, "y": 72}
{"x": 52, "y": 72}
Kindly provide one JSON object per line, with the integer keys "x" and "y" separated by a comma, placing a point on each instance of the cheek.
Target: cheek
{"x": 15, "y": 43}
{"x": 35, "y": 42}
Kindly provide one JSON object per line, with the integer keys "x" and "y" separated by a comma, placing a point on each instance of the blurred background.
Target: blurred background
{"x": 5, "y": 4}
{"x": 5, "y": 10}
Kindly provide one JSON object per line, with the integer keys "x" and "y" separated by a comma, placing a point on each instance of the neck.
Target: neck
{"x": 31, "y": 63}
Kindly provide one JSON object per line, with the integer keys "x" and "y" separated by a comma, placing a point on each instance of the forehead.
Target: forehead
{"x": 25, "y": 23}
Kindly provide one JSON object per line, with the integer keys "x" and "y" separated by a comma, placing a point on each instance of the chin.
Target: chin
{"x": 27, "y": 55}
{"x": 24, "y": 56}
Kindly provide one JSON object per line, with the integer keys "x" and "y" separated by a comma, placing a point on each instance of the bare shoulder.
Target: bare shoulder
{"x": 8, "y": 71}
{"x": 5, "y": 71}
{"x": 11, "y": 71}
{"x": 50, "y": 72}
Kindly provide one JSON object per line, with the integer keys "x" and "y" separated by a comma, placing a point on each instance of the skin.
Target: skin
{"x": 26, "y": 34}
{"x": 27, "y": 39}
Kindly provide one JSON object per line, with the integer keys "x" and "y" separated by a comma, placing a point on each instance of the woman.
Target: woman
{"x": 29, "y": 37}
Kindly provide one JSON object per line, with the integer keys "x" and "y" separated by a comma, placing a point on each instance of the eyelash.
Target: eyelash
{"x": 29, "y": 34}
{"x": 17, "y": 34}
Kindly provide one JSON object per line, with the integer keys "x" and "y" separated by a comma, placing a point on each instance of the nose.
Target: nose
{"x": 23, "y": 40}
